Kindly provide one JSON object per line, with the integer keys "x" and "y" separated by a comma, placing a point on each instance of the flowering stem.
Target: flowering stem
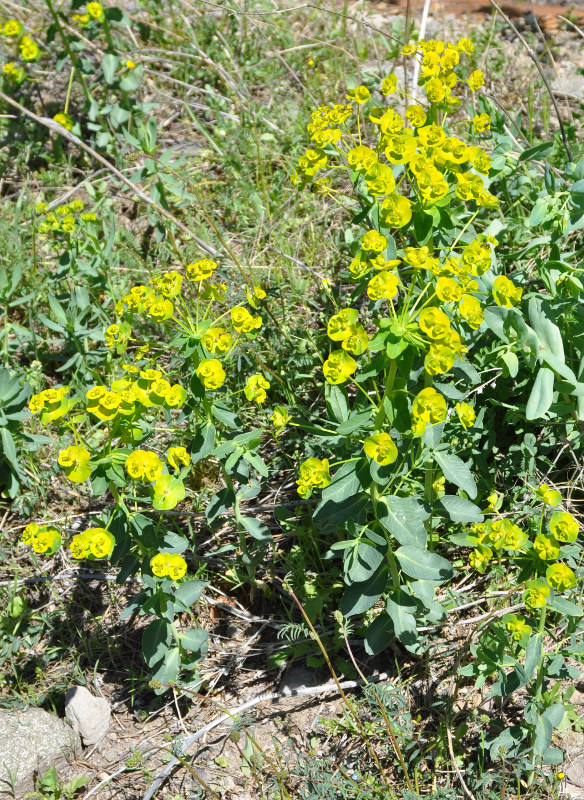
{"x": 381, "y": 413}
{"x": 539, "y": 679}
{"x": 428, "y": 480}
{"x": 69, "y": 87}
{"x": 67, "y": 47}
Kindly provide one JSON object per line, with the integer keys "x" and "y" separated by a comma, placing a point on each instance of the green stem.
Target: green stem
{"x": 108, "y": 34}
{"x": 241, "y": 532}
{"x": 540, "y": 670}
{"x": 390, "y": 380}
{"x": 428, "y": 481}
{"x": 69, "y": 87}
{"x": 393, "y": 568}
{"x": 67, "y": 47}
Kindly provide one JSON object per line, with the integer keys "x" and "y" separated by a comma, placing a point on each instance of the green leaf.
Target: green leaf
{"x": 168, "y": 671}
{"x": 362, "y": 561}
{"x": 203, "y": 442}
{"x": 566, "y": 607}
{"x": 537, "y": 152}
{"x": 423, "y": 565}
{"x": 129, "y": 82}
{"x": 156, "y": 641}
{"x": 351, "y": 478}
{"x": 224, "y": 415}
{"x": 344, "y": 498}
{"x": 189, "y": 592}
{"x": 555, "y": 714}
{"x": 553, "y": 756}
{"x": 459, "y": 509}
{"x": 542, "y": 394}
{"x": 533, "y": 653}
{"x": 220, "y": 503}
{"x": 543, "y": 323}
{"x": 256, "y": 462}
{"x": 510, "y": 739}
{"x": 194, "y": 639}
{"x": 337, "y": 402}
{"x": 354, "y": 423}
{"x": 360, "y": 596}
{"x": 401, "y": 608}
{"x": 379, "y": 634}
{"x": 8, "y": 446}
{"x": 423, "y": 226}
{"x": 116, "y": 15}
{"x": 256, "y": 529}
{"x": 543, "y": 735}
{"x": 456, "y": 471}
{"x": 404, "y": 518}
{"x": 432, "y": 435}
{"x": 332, "y": 514}
{"x": 109, "y": 66}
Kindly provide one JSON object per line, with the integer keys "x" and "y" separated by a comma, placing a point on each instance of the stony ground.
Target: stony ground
{"x": 141, "y": 743}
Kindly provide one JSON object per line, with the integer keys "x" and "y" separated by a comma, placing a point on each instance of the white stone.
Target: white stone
{"x": 575, "y": 772}
{"x": 30, "y": 742}
{"x": 89, "y": 715}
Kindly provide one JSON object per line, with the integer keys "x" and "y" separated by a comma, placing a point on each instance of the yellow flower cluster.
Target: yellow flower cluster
{"x": 170, "y": 565}
{"x": 438, "y": 168}
{"x": 381, "y": 448}
{"x": 42, "y": 538}
{"x": 211, "y": 373}
{"x": 551, "y": 497}
{"x": 428, "y": 408}
{"x": 75, "y": 462}
{"x": 51, "y": 404}
{"x": 428, "y": 153}
{"x": 518, "y": 628}
{"x": 177, "y": 457}
{"x": 217, "y": 340}
{"x": 505, "y": 293}
{"x": 126, "y": 396}
{"x": 117, "y": 336}
{"x": 314, "y": 473}
{"x": 92, "y": 543}
{"x": 280, "y": 418}
{"x": 13, "y": 72}
{"x": 12, "y": 29}
{"x": 65, "y": 218}
{"x": 93, "y": 11}
{"x": 144, "y": 465}
{"x": 255, "y": 389}
{"x": 503, "y": 534}
{"x": 201, "y": 270}
{"x": 64, "y": 120}
{"x": 27, "y": 49}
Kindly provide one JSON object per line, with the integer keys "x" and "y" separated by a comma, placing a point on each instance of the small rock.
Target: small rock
{"x": 297, "y": 678}
{"x": 575, "y": 772}
{"x": 577, "y": 698}
{"x": 88, "y": 715}
{"x": 572, "y": 791}
{"x": 30, "y": 742}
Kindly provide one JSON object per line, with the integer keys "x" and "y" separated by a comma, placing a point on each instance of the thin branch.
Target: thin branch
{"x": 535, "y": 60}
{"x": 58, "y": 129}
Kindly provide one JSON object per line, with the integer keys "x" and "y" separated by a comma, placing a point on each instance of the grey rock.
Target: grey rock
{"x": 89, "y": 715}
{"x": 577, "y": 698}
{"x": 575, "y": 772}
{"x": 297, "y": 678}
{"x": 576, "y": 792}
{"x": 30, "y": 742}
